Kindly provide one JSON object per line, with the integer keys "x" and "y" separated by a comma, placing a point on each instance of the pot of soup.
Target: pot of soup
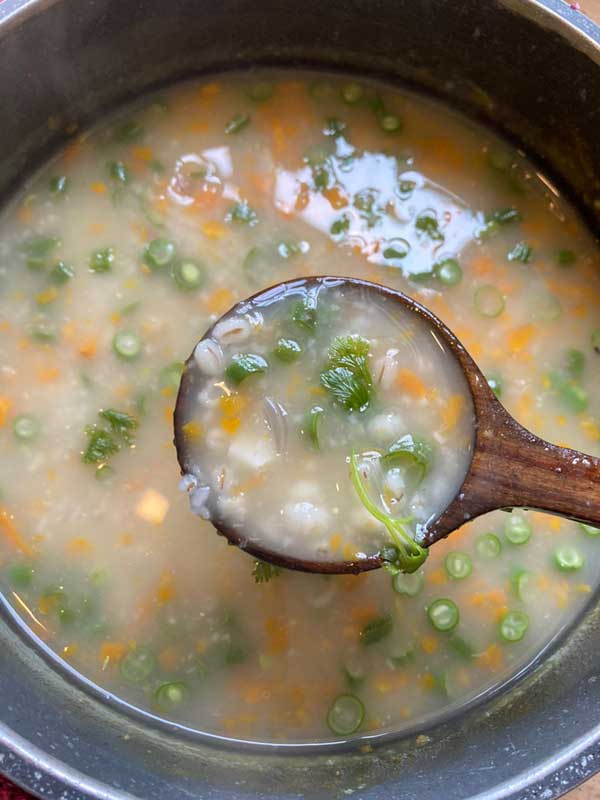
{"x": 163, "y": 161}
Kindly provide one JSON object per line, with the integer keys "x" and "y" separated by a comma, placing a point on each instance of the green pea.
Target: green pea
{"x": 127, "y": 345}
{"x": 188, "y": 275}
{"x": 102, "y": 260}
{"x": 488, "y": 545}
{"x": 352, "y": 93}
{"x": 159, "y": 253}
{"x": 448, "y": 272}
{"x": 137, "y": 665}
{"x": 26, "y": 428}
{"x": 61, "y": 273}
{"x": 171, "y": 695}
{"x": 568, "y": 559}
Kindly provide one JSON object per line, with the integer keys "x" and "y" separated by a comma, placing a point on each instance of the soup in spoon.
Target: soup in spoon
{"x": 323, "y": 422}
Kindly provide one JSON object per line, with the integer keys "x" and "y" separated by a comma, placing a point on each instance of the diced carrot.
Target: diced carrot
{"x": 335, "y": 542}
{"x": 210, "y": 90}
{"x": 429, "y": 644}
{"x": 302, "y": 198}
{"x": 99, "y": 187}
{"x": 47, "y": 296}
{"x": 80, "y": 546}
{"x": 437, "y": 576}
{"x": 168, "y": 413}
{"x": 5, "y": 407}
{"x": 408, "y": 381}
{"x": 591, "y": 430}
{"x": 520, "y": 337}
{"x": 220, "y": 300}
{"x": 47, "y": 374}
{"x": 335, "y": 197}
{"x": 166, "y": 588}
{"x": 69, "y": 651}
{"x": 11, "y": 533}
{"x": 88, "y": 347}
{"x": 213, "y": 230}
{"x": 492, "y": 658}
{"x": 452, "y": 411}
{"x": 111, "y": 652}
{"x": 142, "y": 153}
{"x": 169, "y": 658}
{"x": 428, "y": 681}
{"x": 277, "y": 634}
{"x": 25, "y": 214}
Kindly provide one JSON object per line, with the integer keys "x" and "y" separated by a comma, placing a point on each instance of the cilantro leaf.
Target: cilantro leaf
{"x": 347, "y": 376}
{"x": 264, "y": 572}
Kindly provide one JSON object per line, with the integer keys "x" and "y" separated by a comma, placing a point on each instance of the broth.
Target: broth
{"x": 116, "y": 259}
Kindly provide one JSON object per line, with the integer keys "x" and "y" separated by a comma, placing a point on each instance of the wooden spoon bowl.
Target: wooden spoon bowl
{"x": 510, "y": 467}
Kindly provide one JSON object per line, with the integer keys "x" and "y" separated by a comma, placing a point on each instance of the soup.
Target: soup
{"x": 383, "y": 451}
{"x": 117, "y": 258}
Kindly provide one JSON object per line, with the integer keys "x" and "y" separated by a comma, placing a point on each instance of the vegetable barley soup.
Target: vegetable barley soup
{"x": 292, "y": 491}
{"x": 117, "y": 259}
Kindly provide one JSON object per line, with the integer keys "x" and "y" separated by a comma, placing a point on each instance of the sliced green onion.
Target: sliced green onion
{"x": 137, "y": 665}
{"x": 43, "y": 331}
{"x": 589, "y": 530}
{"x": 352, "y": 93}
{"x": 170, "y": 376}
{"x": 260, "y": 91}
{"x": 411, "y": 454}
{"x": 574, "y": 362}
{"x": 312, "y": 424}
{"x": 171, "y": 695}
{"x": 513, "y": 626}
{"x": 102, "y": 260}
{"x": 345, "y": 715}
{"x": 568, "y": 559}
{"x": 462, "y": 648}
{"x": 38, "y": 249}
{"x": 118, "y": 171}
{"x": 242, "y": 212}
{"x": 188, "y": 275}
{"x": 496, "y": 385}
{"x": 287, "y": 350}
{"x": 129, "y": 131}
{"x": 458, "y": 565}
{"x": 523, "y": 583}
{"x": 127, "y": 345}
{"x": 61, "y": 273}
{"x": 59, "y": 184}
{"x": 395, "y": 250}
{"x": 159, "y": 253}
{"x": 376, "y": 630}
{"x": 448, "y": 272}
{"x": 400, "y": 654}
{"x": 26, "y": 428}
{"x": 521, "y": 252}
{"x": 244, "y": 365}
{"x": 21, "y": 575}
{"x": 408, "y": 584}
{"x": 305, "y": 313}
{"x": 390, "y": 123}
{"x": 443, "y": 614}
{"x": 489, "y": 301}
{"x": 488, "y": 545}
{"x": 566, "y": 257}
{"x": 517, "y": 530}
{"x": 237, "y": 123}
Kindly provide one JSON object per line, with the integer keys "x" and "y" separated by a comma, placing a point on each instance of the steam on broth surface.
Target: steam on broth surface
{"x": 113, "y": 264}
{"x": 354, "y": 412}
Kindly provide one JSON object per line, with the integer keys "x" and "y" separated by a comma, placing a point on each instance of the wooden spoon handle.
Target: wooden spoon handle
{"x": 514, "y": 468}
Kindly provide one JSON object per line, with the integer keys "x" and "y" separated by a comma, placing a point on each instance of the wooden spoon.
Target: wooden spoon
{"x": 511, "y": 467}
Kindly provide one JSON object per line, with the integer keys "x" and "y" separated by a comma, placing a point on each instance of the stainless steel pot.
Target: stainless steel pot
{"x": 529, "y": 67}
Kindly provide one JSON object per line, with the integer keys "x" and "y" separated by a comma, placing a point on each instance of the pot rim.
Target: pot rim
{"x": 33, "y": 769}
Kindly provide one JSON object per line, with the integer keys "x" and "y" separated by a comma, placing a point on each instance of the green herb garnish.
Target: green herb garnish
{"x": 264, "y": 572}
{"x": 347, "y": 376}
{"x": 408, "y": 556}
